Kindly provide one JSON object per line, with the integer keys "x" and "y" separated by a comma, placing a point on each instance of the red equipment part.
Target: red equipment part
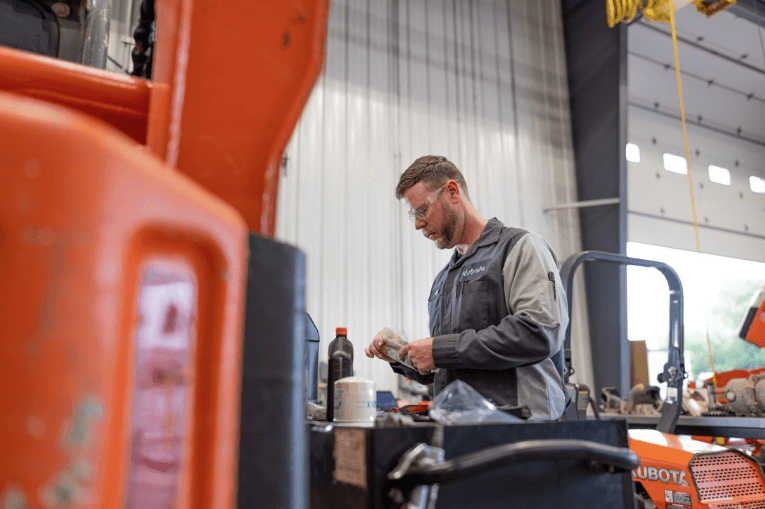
{"x": 753, "y": 326}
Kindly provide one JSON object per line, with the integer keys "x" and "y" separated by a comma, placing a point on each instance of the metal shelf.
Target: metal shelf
{"x": 738, "y": 427}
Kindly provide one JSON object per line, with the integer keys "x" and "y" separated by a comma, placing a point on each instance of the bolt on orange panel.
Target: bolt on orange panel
{"x": 121, "y": 296}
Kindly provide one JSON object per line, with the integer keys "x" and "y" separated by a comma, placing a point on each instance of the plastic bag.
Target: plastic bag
{"x": 459, "y": 403}
{"x": 394, "y": 343}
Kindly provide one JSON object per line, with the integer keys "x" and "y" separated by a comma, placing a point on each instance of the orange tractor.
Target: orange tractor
{"x": 675, "y": 472}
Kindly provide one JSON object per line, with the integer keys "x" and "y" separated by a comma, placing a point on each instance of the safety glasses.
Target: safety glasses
{"x": 422, "y": 211}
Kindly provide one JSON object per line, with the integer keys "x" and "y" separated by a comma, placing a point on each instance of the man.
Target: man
{"x": 498, "y": 310}
{"x": 144, "y": 36}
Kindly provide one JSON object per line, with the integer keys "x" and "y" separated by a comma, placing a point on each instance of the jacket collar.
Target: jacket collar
{"x": 489, "y": 235}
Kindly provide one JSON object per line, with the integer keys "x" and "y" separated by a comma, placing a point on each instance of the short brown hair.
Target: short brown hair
{"x": 434, "y": 172}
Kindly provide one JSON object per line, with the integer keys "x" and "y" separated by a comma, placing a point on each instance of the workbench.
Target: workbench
{"x": 738, "y": 427}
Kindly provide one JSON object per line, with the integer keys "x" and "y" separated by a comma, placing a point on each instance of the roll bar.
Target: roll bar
{"x": 674, "y": 370}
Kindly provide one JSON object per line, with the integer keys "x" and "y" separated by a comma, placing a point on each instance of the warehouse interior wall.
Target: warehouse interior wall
{"x": 730, "y": 215}
{"x": 637, "y": 118}
{"x": 722, "y": 62}
{"x": 597, "y": 77}
{"x": 482, "y": 83}
{"x": 722, "y": 65}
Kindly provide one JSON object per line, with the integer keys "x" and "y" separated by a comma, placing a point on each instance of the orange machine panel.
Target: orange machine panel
{"x": 121, "y": 294}
{"x": 122, "y": 101}
{"x": 753, "y": 327}
{"x": 681, "y": 472}
{"x": 239, "y": 73}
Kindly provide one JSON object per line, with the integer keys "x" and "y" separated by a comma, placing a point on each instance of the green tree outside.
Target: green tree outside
{"x": 726, "y": 312}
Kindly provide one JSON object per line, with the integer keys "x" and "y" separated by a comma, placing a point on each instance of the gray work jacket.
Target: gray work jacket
{"x": 497, "y": 315}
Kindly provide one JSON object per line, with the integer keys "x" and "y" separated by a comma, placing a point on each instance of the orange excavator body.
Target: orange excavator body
{"x": 123, "y": 233}
{"x": 92, "y": 221}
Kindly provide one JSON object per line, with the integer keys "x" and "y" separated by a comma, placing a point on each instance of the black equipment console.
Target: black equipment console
{"x": 526, "y": 465}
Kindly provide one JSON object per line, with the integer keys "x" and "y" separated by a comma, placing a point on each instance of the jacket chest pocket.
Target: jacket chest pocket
{"x": 471, "y": 305}
{"x": 434, "y": 310}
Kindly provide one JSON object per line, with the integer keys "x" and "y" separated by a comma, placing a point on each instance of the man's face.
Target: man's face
{"x": 433, "y": 215}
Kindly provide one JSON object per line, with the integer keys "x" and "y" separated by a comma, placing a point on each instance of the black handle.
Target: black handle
{"x": 618, "y": 458}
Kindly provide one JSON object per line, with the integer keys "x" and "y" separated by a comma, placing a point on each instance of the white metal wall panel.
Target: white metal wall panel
{"x": 724, "y": 98}
{"x": 481, "y": 82}
{"x": 731, "y": 217}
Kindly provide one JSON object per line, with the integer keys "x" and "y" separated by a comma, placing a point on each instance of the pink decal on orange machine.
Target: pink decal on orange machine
{"x": 164, "y": 336}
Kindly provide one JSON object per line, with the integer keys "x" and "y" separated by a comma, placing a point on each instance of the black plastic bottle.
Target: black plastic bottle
{"x": 340, "y": 359}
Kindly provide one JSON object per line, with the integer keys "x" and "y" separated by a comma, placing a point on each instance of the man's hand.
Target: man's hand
{"x": 420, "y": 354}
{"x": 377, "y": 348}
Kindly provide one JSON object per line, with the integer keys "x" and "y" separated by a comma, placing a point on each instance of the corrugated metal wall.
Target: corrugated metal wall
{"x": 481, "y": 82}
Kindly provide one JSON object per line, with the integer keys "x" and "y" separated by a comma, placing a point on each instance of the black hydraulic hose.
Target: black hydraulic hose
{"x": 620, "y": 458}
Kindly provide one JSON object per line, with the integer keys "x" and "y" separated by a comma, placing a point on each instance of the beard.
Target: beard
{"x": 448, "y": 230}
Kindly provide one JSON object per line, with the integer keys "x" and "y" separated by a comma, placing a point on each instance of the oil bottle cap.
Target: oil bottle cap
{"x": 341, "y": 331}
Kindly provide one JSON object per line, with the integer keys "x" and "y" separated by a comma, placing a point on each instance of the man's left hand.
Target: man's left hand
{"x": 420, "y": 353}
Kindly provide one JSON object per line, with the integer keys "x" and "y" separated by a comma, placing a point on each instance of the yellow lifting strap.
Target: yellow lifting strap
{"x": 688, "y": 163}
{"x": 664, "y": 11}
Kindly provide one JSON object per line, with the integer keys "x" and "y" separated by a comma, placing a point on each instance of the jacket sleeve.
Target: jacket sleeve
{"x": 401, "y": 369}
{"x": 537, "y": 316}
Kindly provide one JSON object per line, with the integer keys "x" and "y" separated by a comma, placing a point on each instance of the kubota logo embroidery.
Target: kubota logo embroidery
{"x": 475, "y": 270}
